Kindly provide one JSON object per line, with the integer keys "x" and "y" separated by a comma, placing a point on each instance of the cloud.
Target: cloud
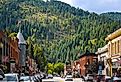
{"x": 98, "y": 6}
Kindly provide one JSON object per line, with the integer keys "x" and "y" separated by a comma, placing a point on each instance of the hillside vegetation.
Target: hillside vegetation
{"x": 56, "y": 31}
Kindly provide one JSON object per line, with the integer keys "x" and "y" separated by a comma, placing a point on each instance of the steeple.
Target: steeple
{"x": 20, "y": 29}
{"x": 20, "y": 37}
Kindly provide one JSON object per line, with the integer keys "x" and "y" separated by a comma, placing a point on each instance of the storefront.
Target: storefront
{"x": 114, "y": 50}
{"x": 114, "y": 66}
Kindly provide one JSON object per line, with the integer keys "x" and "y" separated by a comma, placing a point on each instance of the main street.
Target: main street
{"x": 61, "y": 80}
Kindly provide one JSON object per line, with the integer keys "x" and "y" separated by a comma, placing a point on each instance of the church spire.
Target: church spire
{"x": 20, "y": 37}
{"x": 20, "y": 29}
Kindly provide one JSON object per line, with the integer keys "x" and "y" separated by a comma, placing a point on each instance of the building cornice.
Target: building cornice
{"x": 113, "y": 35}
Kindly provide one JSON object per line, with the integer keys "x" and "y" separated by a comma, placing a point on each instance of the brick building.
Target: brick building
{"x": 85, "y": 60}
{"x": 9, "y": 51}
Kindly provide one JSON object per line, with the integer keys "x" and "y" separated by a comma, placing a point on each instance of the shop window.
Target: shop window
{"x": 94, "y": 60}
{"x": 113, "y": 49}
{"x": 88, "y": 61}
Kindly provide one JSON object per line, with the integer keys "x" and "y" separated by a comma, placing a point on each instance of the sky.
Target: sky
{"x": 97, "y": 6}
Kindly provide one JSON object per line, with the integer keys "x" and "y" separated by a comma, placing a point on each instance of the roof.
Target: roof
{"x": 102, "y": 50}
{"x": 21, "y": 38}
{"x": 114, "y": 34}
{"x": 87, "y": 54}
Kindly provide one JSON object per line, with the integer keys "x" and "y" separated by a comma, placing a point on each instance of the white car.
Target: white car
{"x": 12, "y": 77}
{"x": 116, "y": 79}
{"x": 89, "y": 77}
{"x": 50, "y": 76}
{"x": 25, "y": 79}
{"x": 69, "y": 78}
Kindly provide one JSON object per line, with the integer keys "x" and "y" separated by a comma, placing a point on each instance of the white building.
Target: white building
{"x": 102, "y": 56}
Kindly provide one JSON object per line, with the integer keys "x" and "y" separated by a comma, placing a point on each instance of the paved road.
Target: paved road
{"x": 61, "y": 80}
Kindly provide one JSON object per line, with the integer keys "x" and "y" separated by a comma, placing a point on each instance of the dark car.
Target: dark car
{"x": 1, "y": 74}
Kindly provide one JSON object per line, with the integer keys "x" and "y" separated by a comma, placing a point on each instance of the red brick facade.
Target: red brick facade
{"x": 8, "y": 50}
{"x": 86, "y": 59}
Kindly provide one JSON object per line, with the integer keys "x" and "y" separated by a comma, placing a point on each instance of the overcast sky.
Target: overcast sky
{"x": 98, "y": 6}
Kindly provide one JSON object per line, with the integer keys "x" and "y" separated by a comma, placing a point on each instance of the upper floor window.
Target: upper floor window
{"x": 118, "y": 46}
{"x": 113, "y": 48}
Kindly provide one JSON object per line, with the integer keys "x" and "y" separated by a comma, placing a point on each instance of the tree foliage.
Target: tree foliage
{"x": 56, "y": 31}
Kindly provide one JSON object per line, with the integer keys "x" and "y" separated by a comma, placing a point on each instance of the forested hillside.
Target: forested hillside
{"x": 54, "y": 30}
{"x": 113, "y": 15}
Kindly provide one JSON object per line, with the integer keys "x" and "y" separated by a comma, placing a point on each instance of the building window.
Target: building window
{"x": 4, "y": 49}
{"x": 118, "y": 46}
{"x": 88, "y": 61}
{"x": 113, "y": 49}
{"x": 109, "y": 49}
{"x": 0, "y": 54}
{"x": 7, "y": 49}
{"x": 94, "y": 59}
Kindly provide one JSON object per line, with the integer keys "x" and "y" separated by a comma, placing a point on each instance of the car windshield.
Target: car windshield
{"x": 25, "y": 78}
{"x": 11, "y": 78}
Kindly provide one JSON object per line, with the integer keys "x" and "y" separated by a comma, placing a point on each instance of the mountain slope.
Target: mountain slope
{"x": 113, "y": 15}
{"x": 61, "y": 31}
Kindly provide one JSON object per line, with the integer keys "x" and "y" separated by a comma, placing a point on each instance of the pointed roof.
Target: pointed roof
{"x": 21, "y": 38}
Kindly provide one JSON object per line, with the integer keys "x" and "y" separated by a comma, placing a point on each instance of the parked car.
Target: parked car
{"x": 107, "y": 79}
{"x": 69, "y": 78}
{"x": 100, "y": 77}
{"x": 50, "y": 76}
{"x": 89, "y": 77}
{"x": 33, "y": 79}
{"x": 12, "y": 77}
{"x": 38, "y": 78}
{"x": 116, "y": 79}
{"x": 25, "y": 79}
{"x": 56, "y": 76}
{"x": 2, "y": 76}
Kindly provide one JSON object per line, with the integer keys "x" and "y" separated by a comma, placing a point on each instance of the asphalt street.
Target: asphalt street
{"x": 61, "y": 80}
